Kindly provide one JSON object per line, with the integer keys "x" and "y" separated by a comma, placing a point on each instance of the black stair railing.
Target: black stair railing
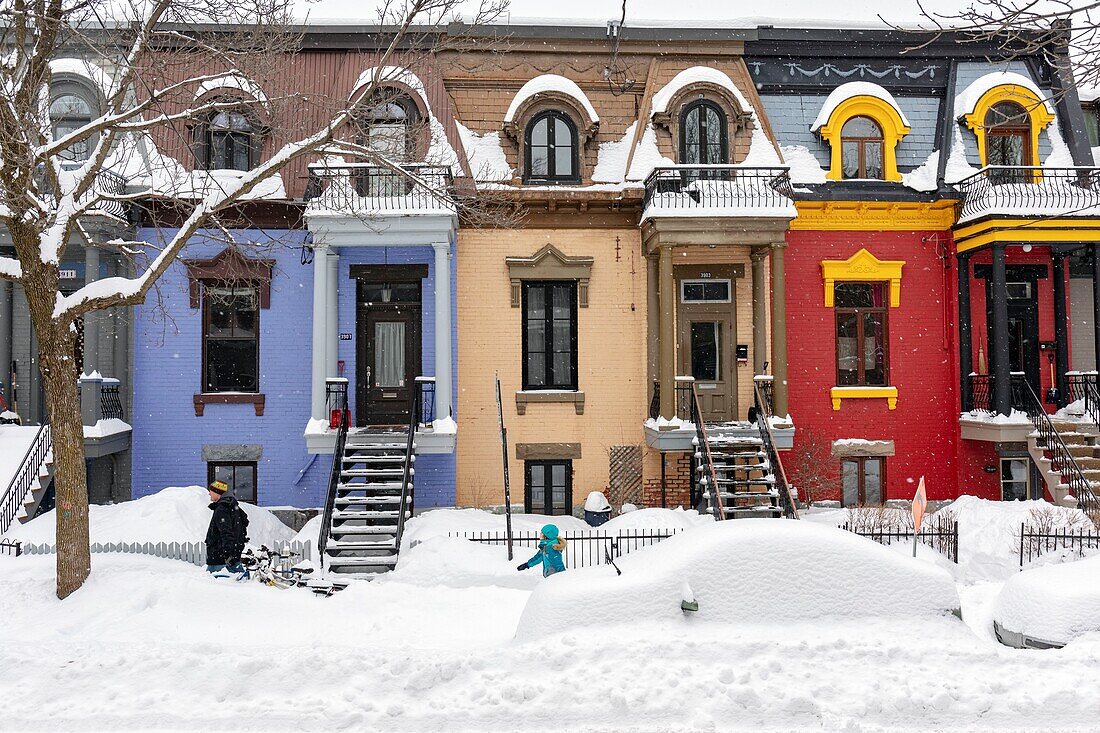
{"x": 406, "y": 504}
{"x": 424, "y": 401}
{"x": 21, "y": 482}
{"x": 1063, "y": 461}
{"x": 1082, "y": 386}
{"x": 705, "y": 474}
{"x": 337, "y": 398}
{"x": 763, "y": 421}
{"x": 655, "y": 403}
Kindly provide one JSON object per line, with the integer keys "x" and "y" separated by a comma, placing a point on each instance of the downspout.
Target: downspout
{"x": 947, "y": 120}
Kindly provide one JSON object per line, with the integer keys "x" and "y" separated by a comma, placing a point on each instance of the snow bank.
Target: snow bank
{"x": 851, "y": 89}
{"x": 442, "y": 522}
{"x": 613, "y": 154}
{"x": 452, "y": 562}
{"x": 551, "y": 83}
{"x": 14, "y": 442}
{"x": 923, "y": 177}
{"x": 678, "y": 519}
{"x": 1056, "y": 603}
{"x": 175, "y": 514}
{"x": 764, "y": 571}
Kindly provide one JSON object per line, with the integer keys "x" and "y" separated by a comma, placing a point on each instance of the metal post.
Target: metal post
{"x": 998, "y": 349}
{"x": 667, "y": 337}
{"x": 504, "y": 449}
{"x": 1061, "y": 330}
{"x": 966, "y": 339}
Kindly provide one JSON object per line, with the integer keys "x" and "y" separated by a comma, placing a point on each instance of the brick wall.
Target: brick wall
{"x": 677, "y": 481}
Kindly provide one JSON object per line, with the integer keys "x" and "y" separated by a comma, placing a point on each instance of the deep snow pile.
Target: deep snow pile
{"x": 175, "y": 514}
{"x": 444, "y": 522}
{"x": 14, "y": 442}
{"x": 457, "y": 563}
{"x": 784, "y": 572}
{"x": 1055, "y": 603}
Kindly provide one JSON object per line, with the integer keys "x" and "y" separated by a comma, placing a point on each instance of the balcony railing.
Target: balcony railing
{"x": 1024, "y": 190}
{"x": 1083, "y": 387}
{"x": 103, "y": 195}
{"x": 981, "y": 387}
{"x": 720, "y": 190}
{"x": 366, "y": 188}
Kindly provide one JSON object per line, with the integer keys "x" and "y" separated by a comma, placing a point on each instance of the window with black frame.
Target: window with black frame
{"x": 550, "y": 146}
{"x": 548, "y": 487}
{"x": 550, "y": 335}
{"x": 239, "y": 476}
{"x": 230, "y": 142}
{"x": 231, "y": 339}
{"x": 863, "y": 479}
{"x": 861, "y": 347}
{"x": 703, "y": 139}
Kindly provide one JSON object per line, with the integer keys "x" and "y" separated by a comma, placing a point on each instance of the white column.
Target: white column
{"x": 91, "y": 325}
{"x": 442, "y": 329}
{"x": 320, "y": 329}
{"x": 331, "y": 336}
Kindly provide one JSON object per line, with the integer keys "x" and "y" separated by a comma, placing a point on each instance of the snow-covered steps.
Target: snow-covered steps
{"x": 742, "y": 474}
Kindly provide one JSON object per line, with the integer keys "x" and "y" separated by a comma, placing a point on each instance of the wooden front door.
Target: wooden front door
{"x": 387, "y": 352}
{"x": 707, "y": 344}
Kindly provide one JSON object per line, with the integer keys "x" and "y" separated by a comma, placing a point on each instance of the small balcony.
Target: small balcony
{"x": 718, "y": 191}
{"x": 105, "y": 428}
{"x": 106, "y": 190}
{"x": 358, "y": 189}
{"x": 1028, "y": 191}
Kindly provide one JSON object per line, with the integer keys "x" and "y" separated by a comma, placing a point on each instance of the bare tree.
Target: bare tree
{"x": 151, "y": 59}
{"x": 813, "y": 468}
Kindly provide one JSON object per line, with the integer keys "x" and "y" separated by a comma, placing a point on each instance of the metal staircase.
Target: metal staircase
{"x": 29, "y": 486}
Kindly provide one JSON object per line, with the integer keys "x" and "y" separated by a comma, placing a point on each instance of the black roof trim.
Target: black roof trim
{"x": 870, "y": 191}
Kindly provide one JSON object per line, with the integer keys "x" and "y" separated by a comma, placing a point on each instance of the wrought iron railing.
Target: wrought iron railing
{"x": 424, "y": 401}
{"x": 981, "y": 393}
{"x": 366, "y": 188}
{"x": 1029, "y": 190}
{"x": 1050, "y": 440}
{"x": 765, "y": 386}
{"x": 405, "y": 506}
{"x": 110, "y": 401}
{"x": 783, "y": 487}
{"x": 1082, "y": 386}
{"x": 705, "y": 475}
{"x": 686, "y": 399}
{"x": 102, "y": 197}
{"x": 337, "y": 394}
{"x": 25, "y": 477}
{"x": 716, "y": 187}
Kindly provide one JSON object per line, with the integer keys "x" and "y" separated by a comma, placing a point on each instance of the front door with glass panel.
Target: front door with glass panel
{"x": 387, "y": 352}
{"x": 1023, "y": 319}
{"x": 707, "y": 343}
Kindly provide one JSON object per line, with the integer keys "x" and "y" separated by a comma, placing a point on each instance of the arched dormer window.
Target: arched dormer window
{"x": 1006, "y": 112}
{"x": 68, "y": 112}
{"x": 861, "y": 148}
{"x": 387, "y": 124}
{"x": 230, "y": 142}
{"x": 703, "y": 137}
{"x": 550, "y": 149}
{"x": 1008, "y": 135}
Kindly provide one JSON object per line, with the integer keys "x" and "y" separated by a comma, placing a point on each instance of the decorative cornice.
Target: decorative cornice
{"x": 863, "y": 266}
{"x": 874, "y": 216}
{"x": 230, "y": 267}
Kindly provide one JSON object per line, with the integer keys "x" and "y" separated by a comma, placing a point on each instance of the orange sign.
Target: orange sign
{"x": 920, "y": 503}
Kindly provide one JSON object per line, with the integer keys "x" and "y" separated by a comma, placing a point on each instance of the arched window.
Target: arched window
{"x": 703, "y": 135}
{"x": 1008, "y": 135}
{"x": 69, "y": 112}
{"x": 551, "y": 148}
{"x": 861, "y": 148}
{"x": 387, "y": 125}
{"x": 230, "y": 142}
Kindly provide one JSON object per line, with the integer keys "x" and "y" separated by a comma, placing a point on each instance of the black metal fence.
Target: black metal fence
{"x": 365, "y": 188}
{"x": 982, "y": 390}
{"x": 11, "y": 547}
{"x": 425, "y": 401}
{"x": 110, "y": 401}
{"x": 582, "y": 549}
{"x": 942, "y": 536}
{"x": 1082, "y": 386}
{"x": 1027, "y": 189}
{"x": 1034, "y": 542}
{"x": 20, "y": 486}
{"x": 717, "y": 187}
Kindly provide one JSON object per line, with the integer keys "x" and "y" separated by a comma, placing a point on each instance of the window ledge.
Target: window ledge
{"x": 890, "y": 394}
{"x": 528, "y": 396}
{"x": 256, "y": 399}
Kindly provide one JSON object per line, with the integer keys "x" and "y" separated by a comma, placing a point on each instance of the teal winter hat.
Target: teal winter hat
{"x": 550, "y": 531}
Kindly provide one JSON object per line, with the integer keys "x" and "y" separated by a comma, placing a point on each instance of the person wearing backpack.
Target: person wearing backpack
{"x": 551, "y": 546}
{"x": 227, "y": 534}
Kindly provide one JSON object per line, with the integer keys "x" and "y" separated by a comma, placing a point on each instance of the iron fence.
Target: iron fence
{"x": 192, "y": 552}
{"x": 25, "y": 477}
{"x": 425, "y": 401}
{"x": 336, "y": 391}
{"x": 982, "y": 393}
{"x": 365, "y": 188}
{"x": 110, "y": 401}
{"x": 717, "y": 187}
{"x": 787, "y": 493}
{"x": 1082, "y": 386}
{"x": 1029, "y": 190}
{"x": 11, "y": 547}
{"x": 581, "y": 549}
{"x": 942, "y": 536}
{"x": 1034, "y": 542}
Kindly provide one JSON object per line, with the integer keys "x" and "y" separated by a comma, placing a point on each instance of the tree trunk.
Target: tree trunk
{"x": 56, "y": 361}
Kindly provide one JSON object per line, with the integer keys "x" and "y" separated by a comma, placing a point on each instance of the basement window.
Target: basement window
{"x": 239, "y": 476}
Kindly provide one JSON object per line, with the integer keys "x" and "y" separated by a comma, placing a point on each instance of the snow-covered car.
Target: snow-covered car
{"x": 1049, "y": 606}
{"x": 752, "y": 571}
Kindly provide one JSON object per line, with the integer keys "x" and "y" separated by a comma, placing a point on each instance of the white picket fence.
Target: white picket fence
{"x": 192, "y": 552}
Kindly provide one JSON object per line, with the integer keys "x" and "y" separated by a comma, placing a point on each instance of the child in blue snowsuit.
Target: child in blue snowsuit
{"x": 551, "y": 547}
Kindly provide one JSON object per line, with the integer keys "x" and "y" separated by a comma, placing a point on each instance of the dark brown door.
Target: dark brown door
{"x": 388, "y": 357}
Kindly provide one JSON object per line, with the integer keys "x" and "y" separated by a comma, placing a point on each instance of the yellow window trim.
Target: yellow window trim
{"x": 879, "y": 110}
{"x": 863, "y": 267}
{"x": 1036, "y": 109}
{"x": 890, "y": 394}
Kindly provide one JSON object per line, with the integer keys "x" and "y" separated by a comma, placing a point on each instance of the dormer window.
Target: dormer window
{"x": 861, "y": 148}
{"x": 387, "y": 125}
{"x": 1008, "y": 135}
{"x": 551, "y": 149}
{"x": 703, "y": 139}
{"x": 70, "y": 112}
{"x": 230, "y": 142}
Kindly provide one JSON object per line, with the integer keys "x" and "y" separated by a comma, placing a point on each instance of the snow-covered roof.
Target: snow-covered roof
{"x": 551, "y": 83}
{"x": 847, "y": 91}
{"x": 696, "y": 75}
{"x": 232, "y": 81}
{"x": 967, "y": 100}
{"x": 85, "y": 69}
{"x": 484, "y": 155}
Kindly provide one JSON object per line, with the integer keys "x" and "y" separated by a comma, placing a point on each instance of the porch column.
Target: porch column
{"x": 966, "y": 339}
{"x": 667, "y": 345}
{"x": 91, "y": 330}
{"x": 442, "y": 329}
{"x": 332, "y": 322}
{"x": 5, "y": 340}
{"x": 1061, "y": 330}
{"x": 320, "y": 329}
{"x": 759, "y": 311}
{"x": 998, "y": 350}
{"x": 653, "y": 321}
{"x": 779, "y": 328}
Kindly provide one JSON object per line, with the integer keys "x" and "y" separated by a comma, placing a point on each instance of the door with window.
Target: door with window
{"x": 863, "y": 480}
{"x": 1016, "y": 484}
{"x": 548, "y": 487}
{"x": 388, "y": 352}
{"x": 1023, "y": 320}
{"x": 707, "y": 343}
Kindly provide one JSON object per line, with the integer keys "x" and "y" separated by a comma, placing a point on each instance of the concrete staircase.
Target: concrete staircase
{"x": 1081, "y": 438}
{"x": 746, "y": 485}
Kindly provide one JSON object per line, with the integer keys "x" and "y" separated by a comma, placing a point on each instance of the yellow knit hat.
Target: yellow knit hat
{"x": 219, "y": 486}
